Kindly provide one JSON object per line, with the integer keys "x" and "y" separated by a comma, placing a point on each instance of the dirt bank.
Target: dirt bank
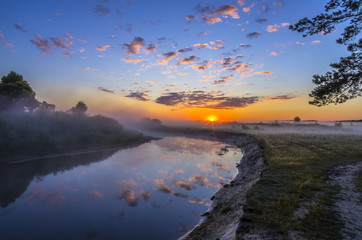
{"x": 222, "y": 219}
{"x": 348, "y": 201}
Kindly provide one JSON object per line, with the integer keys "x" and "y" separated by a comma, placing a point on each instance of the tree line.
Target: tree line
{"x": 16, "y": 95}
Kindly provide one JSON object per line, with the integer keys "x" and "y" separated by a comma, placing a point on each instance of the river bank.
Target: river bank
{"x": 286, "y": 194}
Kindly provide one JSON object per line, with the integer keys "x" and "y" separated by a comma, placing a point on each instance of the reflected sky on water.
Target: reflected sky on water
{"x": 154, "y": 191}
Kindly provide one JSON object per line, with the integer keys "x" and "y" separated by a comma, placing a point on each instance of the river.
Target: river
{"x": 157, "y": 190}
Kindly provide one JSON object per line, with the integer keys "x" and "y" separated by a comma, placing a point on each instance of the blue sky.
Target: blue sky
{"x": 165, "y": 56}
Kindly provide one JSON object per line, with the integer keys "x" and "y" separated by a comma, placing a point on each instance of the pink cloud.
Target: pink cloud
{"x": 211, "y": 20}
{"x": 230, "y": 10}
{"x": 264, "y": 73}
{"x": 103, "y": 48}
{"x": 272, "y": 28}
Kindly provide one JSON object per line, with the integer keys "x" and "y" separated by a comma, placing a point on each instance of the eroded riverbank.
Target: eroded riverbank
{"x": 222, "y": 219}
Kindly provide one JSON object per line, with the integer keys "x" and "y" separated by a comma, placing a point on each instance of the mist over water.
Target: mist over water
{"x": 157, "y": 189}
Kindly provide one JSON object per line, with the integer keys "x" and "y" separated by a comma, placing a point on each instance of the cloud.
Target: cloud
{"x": 265, "y": 8}
{"x": 230, "y": 10}
{"x": 97, "y": 194}
{"x": 278, "y": 3}
{"x": 134, "y": 46}
{"x": 41, "y": 43}
{"x": 198, "y": 179}
{"x": 218, "y": 47}
{"x": 45, "y": 45}
{"x": 241, "y": 2}
{"x": 264, "y": 73}
{"x": 196, "y": 200}
{"x": 222, "y": 80}
{"x": 151, "y": 48}
{"x": 182, "y": 73}
{"x": 83, "y": 40}
{"x": 211, "y": 20}
{"x": 184, "y": 185}
{"x": 168, "y": 56}
{"x": 253, "y": 35}
{"x": 274, "y": 54}
{"x": 205, "y": 10}
{"x": 132, "y": 60}
{"x": 103, "y": 48}
{"x": 188, "y": 60}
{"x": 2, "y": 35}
{"x": 261, "y": 20}
{"x": 246, "y": 9}
{"x": 202, "y": 66}
{"x": 282, "y": 97}
{"x": 184, "y": 50}
{"x": 272, "y": 28}
{"x": 146, "y": 195}
{"x": 140, "y": 96}
{"x": 285, "y": 24}
{"x": 201, "y": 99}
{"x": 62, "y": 43}
{"x": 129, "y": 197}
{"x": 161, "y": 39}
{"x": 246, "y": 70}
{"x": 204, "y": 33}
{"x": 180, "y": 195}
{"x": 245, "y": 45}
{"x": 19, "y": 27}
{"x": 201, "y": 45}
{"x": 316, "y": 41}
{"x": 105, "y": 90}
{"x": 8, "y": 45}
{"x": 100, "y": 11}
{"x": 190, "y": 18}
{"x": 169, "y": 85}
{"x": 162, "y": 187}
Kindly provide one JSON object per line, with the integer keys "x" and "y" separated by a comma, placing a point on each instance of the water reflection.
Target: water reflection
{"x": 154, "y": 191}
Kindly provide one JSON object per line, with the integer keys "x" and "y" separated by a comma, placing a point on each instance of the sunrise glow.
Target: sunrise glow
{"x": 179, "y": 60}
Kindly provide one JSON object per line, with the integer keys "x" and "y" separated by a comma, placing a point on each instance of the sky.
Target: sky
{"x": 172, "y": 59}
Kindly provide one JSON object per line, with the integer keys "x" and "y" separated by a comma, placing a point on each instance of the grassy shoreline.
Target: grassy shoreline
{"x": 293, "y": 196}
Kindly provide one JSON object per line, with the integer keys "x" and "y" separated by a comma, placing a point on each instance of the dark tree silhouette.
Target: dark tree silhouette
{"x": 344, "y": 82}
{"x": 16, "y": 93}
{"x": 80, "y": 108}
{"x": 297, "y": 119}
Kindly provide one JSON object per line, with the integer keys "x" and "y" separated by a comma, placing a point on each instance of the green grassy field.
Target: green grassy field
{"x": 298, "y": 166}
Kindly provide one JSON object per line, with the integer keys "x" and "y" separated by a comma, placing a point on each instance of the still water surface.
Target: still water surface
{"x": 154, "y": 191}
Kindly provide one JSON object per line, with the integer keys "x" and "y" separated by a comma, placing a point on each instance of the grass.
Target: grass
{"x": 296, "y": 174}
{"x": 36, "y": 134}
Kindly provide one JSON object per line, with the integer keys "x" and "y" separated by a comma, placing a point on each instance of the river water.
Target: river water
{"x": 157, "y": 190}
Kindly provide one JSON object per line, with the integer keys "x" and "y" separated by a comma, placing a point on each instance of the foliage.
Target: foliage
{"x": 80, "y": 108}
{"x": 297, "y": 119}
{"x": 45, "y": 107}
{"x": 344, "y": 82}
{"x": 33, "y": 134}
{"x": 16, "y": 93}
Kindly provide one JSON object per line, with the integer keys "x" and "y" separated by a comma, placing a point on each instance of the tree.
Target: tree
{"x": 297, "y": 119}
{"x": 344, "y": 82}
{"x": 80, "y": 108}
{"x": 45, "y": 107}
{"x": 16, "y": 93}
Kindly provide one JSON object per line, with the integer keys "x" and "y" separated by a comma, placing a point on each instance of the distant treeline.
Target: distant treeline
{"x": 31, "y": 128}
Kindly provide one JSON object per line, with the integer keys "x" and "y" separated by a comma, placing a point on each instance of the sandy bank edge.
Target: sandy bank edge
{"x": 222, "y": 219}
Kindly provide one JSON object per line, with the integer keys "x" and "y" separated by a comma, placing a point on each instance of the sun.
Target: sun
{"x": 211, "y": 118}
